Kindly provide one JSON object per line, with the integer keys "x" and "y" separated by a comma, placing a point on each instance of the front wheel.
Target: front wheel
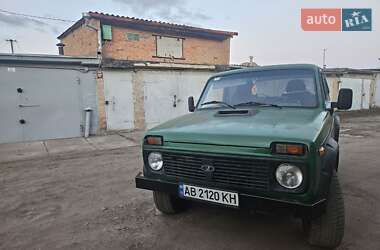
{"x": 328, "y": 229}
{"x": 167, "y": 203}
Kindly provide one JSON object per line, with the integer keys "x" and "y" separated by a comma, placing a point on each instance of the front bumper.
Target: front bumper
{"x": 246, "y": 201}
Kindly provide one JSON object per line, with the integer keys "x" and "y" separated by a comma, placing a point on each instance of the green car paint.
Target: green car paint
{"x": 205, "y": 133}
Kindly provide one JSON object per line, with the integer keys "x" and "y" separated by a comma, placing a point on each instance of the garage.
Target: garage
{"x": 139, "y": 96}
{"x": 45, "y": 97}
{"x": 361, "y": 81}
{"x": 118, "y": 94}
{"x": 166, "y": 93}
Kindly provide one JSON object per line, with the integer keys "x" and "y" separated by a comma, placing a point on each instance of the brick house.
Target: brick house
{"x": 133, "y": 39}
{"x": 147, "y": 69}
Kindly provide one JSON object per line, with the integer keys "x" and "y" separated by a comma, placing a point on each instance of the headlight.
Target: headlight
{"x": 289, "y": 176}
{"x": 155, "y": 160}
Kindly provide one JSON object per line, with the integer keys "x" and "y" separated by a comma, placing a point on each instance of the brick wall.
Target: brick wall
{"x": 195, "y": 50}
{"x": 82, "y": 41}
{"x": 101, "y": 101}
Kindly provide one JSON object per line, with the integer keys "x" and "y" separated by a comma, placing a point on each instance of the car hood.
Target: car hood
{"x": 261, "y": 128}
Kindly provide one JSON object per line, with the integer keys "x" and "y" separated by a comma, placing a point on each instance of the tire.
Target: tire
{"x": 328, "y": 230}
{"x": 168, "y": 204}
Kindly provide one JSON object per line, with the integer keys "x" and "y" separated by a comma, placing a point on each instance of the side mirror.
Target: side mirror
{"x": 344, "y": 99}
{"x": 190, "y": 102}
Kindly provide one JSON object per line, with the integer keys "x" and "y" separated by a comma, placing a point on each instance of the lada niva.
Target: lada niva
{"x": 263, "y": 138}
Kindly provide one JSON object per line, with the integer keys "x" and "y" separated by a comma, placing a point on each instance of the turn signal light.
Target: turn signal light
{"x": 153, "y": 140}
{"x": 289, "y": 149}
{"x": 322, "y": 151}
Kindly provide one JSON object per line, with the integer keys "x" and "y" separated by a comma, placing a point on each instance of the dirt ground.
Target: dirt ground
{"x": 89, "y": 201}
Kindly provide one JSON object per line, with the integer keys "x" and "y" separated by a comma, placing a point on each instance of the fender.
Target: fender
{"x": 329, "y": 162}
{"x": 330, "y": 159}
{"x": 336, "y": 127}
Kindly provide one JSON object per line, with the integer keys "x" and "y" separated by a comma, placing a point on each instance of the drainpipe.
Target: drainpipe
{"x": 87, "y": 18}
{"x": 88, "y": 122}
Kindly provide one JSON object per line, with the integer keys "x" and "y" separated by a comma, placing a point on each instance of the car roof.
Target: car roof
{"x": 268, "y": 67}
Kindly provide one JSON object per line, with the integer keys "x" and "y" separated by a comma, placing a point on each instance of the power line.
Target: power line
{"x": 38, "y": 17}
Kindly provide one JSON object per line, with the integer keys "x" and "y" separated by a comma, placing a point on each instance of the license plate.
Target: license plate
{"x": 208, "y": 194}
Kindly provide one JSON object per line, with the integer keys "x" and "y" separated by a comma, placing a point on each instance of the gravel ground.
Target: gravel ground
{"x": 89, "y": 201}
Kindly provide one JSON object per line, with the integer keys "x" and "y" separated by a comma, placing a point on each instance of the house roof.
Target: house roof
{"x": 152, "y": 26}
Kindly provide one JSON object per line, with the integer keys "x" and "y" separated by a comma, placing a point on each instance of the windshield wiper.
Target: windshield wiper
{"x": 257, "y": 104}
{"x": 218, "y": 102}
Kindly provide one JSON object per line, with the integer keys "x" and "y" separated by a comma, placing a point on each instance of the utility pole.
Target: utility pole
{"x": 324, "y": 58}
{"x": 11, "y": 41}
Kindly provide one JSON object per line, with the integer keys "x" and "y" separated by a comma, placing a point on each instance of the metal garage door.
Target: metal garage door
{"x": 119, "y": 99}
{"x": 38, "y": 103}
{"x": 361, "y": 91}
{"x": 166, "y": 93}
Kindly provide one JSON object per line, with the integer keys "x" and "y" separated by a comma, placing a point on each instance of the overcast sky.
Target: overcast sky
{"x": 269, "y": 30}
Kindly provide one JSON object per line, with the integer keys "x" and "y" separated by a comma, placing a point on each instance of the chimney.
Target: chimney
{"x": 85, "y": 15}
{"x": 251, "y": 63}
{"x": 60, "y": 48}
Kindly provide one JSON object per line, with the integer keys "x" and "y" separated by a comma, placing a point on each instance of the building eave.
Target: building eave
{"x": 152, "y": 26}
{"x": 47, "y": 59}
{"x": 73, "y": 27}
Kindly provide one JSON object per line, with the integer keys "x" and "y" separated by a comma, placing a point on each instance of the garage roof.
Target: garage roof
{"x": 47, "y": 59}
{"x": 153, "y": 26}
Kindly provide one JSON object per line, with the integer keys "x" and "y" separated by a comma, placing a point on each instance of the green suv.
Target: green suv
{"x": 263, "y": 138}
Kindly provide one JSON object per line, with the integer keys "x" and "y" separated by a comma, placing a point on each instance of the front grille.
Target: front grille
{"x": 231, "y": 171}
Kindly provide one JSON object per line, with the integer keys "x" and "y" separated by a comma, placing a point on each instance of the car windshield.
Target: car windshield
{"x": 275, "y": 88}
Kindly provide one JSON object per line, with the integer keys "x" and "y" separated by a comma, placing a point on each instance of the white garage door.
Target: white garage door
{"x": 38, "y": 103}
{"x": 361, "y": 91}
{"x": 366, "y": 94}
{"x": 119, "y": 99}
{"x": 166, "y": 93}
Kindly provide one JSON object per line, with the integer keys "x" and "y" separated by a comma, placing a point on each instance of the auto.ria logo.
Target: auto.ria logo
{"x": 336, "y": 19}
{"x": 356, "y": 20}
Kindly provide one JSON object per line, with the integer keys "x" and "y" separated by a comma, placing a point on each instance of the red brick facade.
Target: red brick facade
{"x": 82, "y": 40}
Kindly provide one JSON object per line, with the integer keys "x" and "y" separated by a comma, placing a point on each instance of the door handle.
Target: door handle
{"x": 113, "y": 103}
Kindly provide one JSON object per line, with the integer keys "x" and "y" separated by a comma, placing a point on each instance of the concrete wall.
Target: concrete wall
{"x": 83, "y": 42}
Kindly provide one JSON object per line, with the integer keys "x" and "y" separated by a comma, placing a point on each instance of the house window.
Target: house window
{"x": 169, "y": 47}
{"x": 133, "y": 37}
{"x": 107, "y": 32}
